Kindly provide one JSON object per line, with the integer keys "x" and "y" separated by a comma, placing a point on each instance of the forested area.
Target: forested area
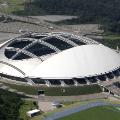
{"x": 9, "y": 105}
{"x": 104, "y": 12}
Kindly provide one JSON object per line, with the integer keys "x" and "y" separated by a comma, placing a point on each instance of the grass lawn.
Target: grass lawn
{"x": 57, "y": 91}
{"x": 96, "y": 113}
{"x": 26, "y": 106}
{"x": 71, "y": 105}
{"x": 13, "y": 5}
{"x": 111, "y": 40}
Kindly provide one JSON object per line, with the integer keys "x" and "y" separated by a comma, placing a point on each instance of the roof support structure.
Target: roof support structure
{"x": 67, "y": 41}
{"x": 14, "y": 67}
{"x": 22, "y": 51}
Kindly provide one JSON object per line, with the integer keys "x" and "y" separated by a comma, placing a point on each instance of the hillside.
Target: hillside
{"x": 104, "y": 12}
{"x": 87, "y": 10}
{"x": 90, "y": 9}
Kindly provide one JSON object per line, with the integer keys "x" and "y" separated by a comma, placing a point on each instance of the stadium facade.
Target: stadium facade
{"x": 58, "y": 58}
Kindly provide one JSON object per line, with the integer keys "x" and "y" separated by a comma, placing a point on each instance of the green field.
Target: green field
{"x": 13, "y": 5}
{"x": 111, "y": 40}
{"x": 57, "y": 91}
{"x": 96, "y": 113}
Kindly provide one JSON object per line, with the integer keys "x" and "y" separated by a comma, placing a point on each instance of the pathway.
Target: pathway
{"x": 70, "y": 111}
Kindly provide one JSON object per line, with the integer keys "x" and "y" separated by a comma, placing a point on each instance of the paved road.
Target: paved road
{"x": 68, "y": 112}
{"x": 6, "y": 36}
{"x": 72, "y": 98}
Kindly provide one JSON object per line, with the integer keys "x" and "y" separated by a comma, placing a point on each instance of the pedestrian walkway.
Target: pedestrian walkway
{"x": 70, "y": 111}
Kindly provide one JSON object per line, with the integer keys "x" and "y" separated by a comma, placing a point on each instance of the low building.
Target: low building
{"x": 33, "y": 113}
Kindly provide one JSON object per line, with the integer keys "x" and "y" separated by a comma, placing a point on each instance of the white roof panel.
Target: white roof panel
{"x": 81, "y": 61}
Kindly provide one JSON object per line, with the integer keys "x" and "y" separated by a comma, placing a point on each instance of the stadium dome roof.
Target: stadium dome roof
{"x": 56, "y": 56}
{"x": 86, "y": 60}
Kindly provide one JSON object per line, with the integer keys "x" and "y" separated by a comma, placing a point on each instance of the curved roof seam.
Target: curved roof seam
{"x": 81, "y": 39}
{"x": 31, "y": 44}
{"x": 43, "y": 43}
{"x": 22, "y": 51}
{"x": 22, "y": 39}
{"x": 86, "y": 40}
{"x": 49, "y": 45}
{"x": 67, "y": 41}
{"x": 8, "y": 64}
{"x": 60, "y": 38}
{"x": 15, "y": 55}
{"x": 12, "y": 40}
{"x": 18, "y": 49}
{"x": 90, "y": 40}
{"x": 25, "y": 52}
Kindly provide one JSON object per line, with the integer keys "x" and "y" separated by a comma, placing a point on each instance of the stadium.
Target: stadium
{"x": 57, "y": 59}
